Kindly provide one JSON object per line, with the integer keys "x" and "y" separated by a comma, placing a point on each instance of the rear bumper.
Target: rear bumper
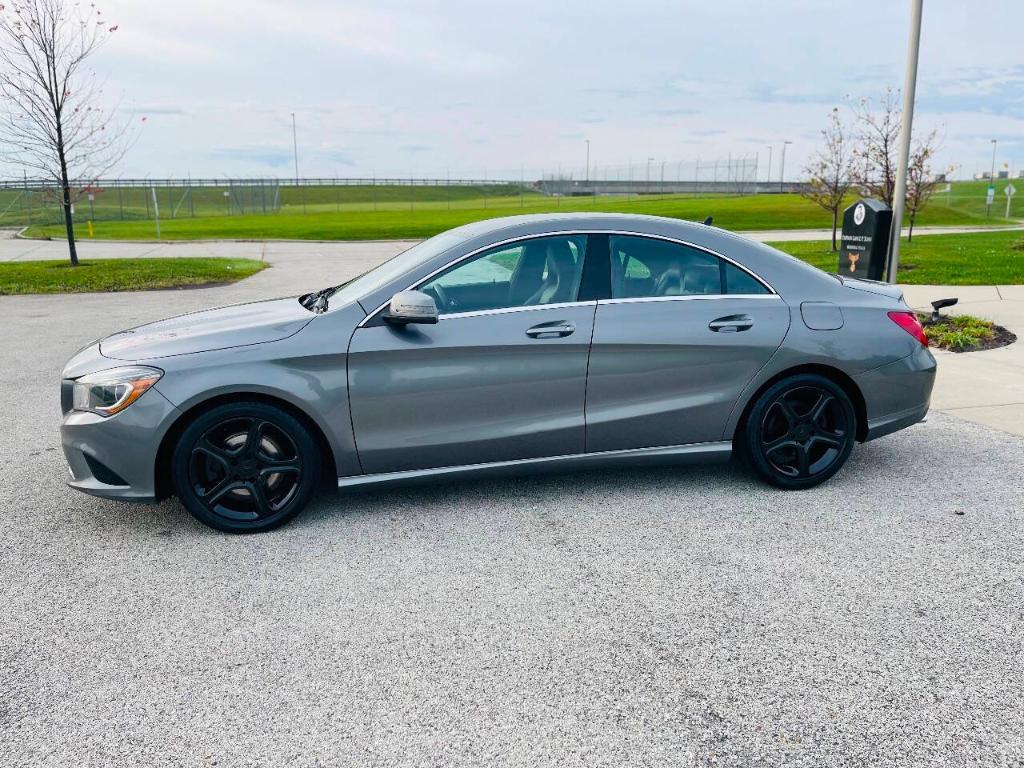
{"x": 897, "y": 395}
{"x": 115, "y": 457}
{"x": 895, "y": 422}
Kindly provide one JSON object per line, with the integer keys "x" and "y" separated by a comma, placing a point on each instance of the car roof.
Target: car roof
{"x": 563, "y": 221}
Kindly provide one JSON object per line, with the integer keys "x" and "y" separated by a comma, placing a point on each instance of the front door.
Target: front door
{"x": 681, "y": 336}
{"x": 501, "y": 376}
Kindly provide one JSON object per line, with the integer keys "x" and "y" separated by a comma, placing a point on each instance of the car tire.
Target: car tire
{"x": 799, "y": 432}
{"x": 245, "y": 467}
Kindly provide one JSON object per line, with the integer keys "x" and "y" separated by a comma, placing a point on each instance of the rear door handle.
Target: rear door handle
{"x": 731, "y": 324}
{"x": 553, "y": 330}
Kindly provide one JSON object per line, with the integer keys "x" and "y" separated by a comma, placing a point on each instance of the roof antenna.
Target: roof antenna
{"x": 707, "y": 221}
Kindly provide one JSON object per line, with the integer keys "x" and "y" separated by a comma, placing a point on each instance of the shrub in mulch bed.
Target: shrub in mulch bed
{"x": 964, "y": 333}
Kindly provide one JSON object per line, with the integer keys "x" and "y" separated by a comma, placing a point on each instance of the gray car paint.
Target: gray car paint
{"x": 659, "y": 375}
{"x": 280, "y": 350}
{"x": 470, "y": 389}
{"x": 222, "y": 328}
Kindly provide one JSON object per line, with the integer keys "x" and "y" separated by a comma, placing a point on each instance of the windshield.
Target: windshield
{"x": 389, "y": 270}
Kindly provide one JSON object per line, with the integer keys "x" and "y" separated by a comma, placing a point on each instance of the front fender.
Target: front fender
{"x": 307, "y": 371}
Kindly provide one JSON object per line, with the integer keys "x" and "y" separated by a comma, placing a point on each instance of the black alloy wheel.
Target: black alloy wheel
{"x": 801, "y": 431}
{"x": 245, "y": 467}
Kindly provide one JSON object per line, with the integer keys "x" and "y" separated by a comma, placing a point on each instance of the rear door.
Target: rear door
{"x": 682, "y": 334}
{"x": 500, "y": 377}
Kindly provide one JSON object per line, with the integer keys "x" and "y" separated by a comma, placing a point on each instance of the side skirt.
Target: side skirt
{"x": 694, "y": 453}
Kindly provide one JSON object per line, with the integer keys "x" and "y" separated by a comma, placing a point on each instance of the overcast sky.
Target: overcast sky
{"x": 468, "y": 87}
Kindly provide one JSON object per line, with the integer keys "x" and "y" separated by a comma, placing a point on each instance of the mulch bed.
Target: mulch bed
{"x": 1001, "y": 337}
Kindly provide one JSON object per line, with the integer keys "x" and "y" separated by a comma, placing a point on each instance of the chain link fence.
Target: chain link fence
{"x": 28, "y": 202}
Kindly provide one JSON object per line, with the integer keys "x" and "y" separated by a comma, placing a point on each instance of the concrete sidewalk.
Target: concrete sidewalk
{"x": 983, "y": 387}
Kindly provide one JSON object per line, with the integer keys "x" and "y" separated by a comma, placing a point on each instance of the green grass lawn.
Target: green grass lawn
{"x": 969, "y": 197}
{"x": 985, "y": 258}
{"x": 121, "y": 274}
{"x": 359, "y": 220}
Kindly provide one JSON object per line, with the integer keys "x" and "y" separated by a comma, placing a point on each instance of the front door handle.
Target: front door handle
{"x": 731, "y": 324}
{"x": 553, "y": 330}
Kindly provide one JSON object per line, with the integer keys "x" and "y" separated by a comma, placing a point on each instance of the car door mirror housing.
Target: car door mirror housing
{"x": 411, "y": 307}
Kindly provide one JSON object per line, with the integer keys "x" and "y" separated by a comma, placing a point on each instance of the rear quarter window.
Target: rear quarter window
{"x": 739, "y": 282}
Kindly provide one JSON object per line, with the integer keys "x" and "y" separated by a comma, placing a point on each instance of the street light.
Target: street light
{"x": 649, "y": 161}
{"x": 587, "y": 175}
{"x": 768, "y": 177}
{"x": 990, "y": 195}
{"x": 899, "y": 200}
{"x": 782, "y": 169}
{"x": 295, "y": 149}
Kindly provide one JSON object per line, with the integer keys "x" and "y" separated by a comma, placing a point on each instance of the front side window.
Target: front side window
{"x": 544, "y": 270}
{"x": 644, "y": 267}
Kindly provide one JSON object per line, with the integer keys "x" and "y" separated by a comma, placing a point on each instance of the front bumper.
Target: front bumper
{"x": 115, "y": 457}
{"x": 897, "y": 395}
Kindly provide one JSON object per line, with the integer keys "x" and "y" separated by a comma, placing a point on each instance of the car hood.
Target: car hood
{"x": 235, "y": 326}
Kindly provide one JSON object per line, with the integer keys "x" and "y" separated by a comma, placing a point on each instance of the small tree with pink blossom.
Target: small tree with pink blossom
{"x": 52, "y": 120}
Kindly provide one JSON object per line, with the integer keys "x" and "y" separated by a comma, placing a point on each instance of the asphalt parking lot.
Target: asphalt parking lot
{"x": 644, "y": 617}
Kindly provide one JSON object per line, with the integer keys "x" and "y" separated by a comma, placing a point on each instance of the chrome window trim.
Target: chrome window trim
{"x": 509, "y": 310}
{"x": 610, "y": 232}
{"x": 691, "y": 297}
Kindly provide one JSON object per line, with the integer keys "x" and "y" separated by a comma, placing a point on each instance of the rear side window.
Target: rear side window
{"x": 738, "y": 281}
{"x": 645, "y": 267}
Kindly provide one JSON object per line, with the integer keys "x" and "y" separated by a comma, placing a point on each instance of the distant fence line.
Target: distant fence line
{"x": 552, "y": 185}
{"x": 38, "y": 201}
{"x": 146, "y": 183}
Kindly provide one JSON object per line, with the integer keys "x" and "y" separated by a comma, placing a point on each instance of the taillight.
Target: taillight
{"x": 908, "y": 322}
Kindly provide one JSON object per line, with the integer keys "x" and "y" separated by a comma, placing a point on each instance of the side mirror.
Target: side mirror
{"x": 411, "y": 307}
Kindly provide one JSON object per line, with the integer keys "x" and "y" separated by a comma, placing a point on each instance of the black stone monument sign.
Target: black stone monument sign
{"x": 865, "y": 240}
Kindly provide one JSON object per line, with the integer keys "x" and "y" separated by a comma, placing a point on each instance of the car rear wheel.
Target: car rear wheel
{"x": 800, "y": 431}
{"x": 245, "y": 467}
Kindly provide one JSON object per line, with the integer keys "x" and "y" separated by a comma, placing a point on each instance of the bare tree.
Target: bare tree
{"x": 830, "y": 171}
{"x": 878, "y": 138}
{"x": 875, "y": 166}
{"x": 51, "y": 120}
{"x": 921, "y": 182}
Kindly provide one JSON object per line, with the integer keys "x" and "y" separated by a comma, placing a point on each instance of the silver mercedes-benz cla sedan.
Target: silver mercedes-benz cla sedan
{"x": 509, "y": 345}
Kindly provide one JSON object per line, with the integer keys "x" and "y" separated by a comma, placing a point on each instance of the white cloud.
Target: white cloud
{"x": 477, "y": 86}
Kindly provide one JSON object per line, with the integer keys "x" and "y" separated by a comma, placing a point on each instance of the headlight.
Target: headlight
{"x": 111, "y": 391}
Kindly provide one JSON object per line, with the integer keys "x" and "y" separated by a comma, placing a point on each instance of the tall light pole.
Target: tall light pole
{"x": 295, "y": 149}
{"x": 768, "y": 176}
{"x": 782, "y": 169}
{"x": 906, "y": 126}
{"x": 649, "y": 161}
{"x": 587, "y": 175}
{"x": 991, "y": 182}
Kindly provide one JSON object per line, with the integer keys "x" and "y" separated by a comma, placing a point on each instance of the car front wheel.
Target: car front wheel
{"x": 800, "y": 431}
{"x": 245, "y": 467}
